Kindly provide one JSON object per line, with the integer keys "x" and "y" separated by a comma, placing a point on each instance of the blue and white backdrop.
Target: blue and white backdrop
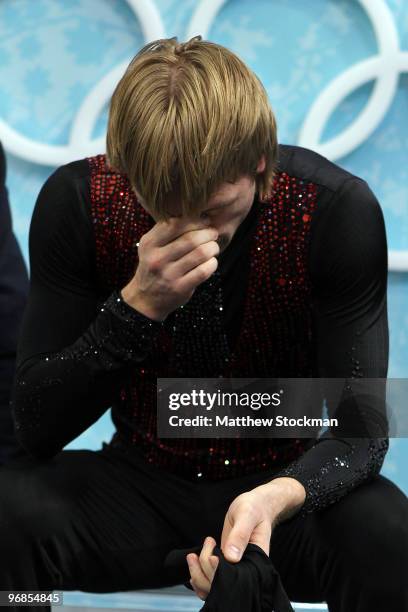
{"x": 334, "y": 71}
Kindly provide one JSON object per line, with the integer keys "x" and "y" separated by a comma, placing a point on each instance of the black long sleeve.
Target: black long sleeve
{"x": 74, "y": 347}
{"x": 77, "y": 344}
{"x": 348, "y": 259}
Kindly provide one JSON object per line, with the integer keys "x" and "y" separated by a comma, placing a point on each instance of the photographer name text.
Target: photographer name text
{"x": 249, "y": 421}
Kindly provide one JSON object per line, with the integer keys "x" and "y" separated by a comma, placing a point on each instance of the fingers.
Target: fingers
{"x": 236, "y": 539}
{"x": 198, "y": 275}
{"x": 201, "y": 254}
{"x": 201, "y": 594}
{"x": 188, "y": 242}
{"x": 236, "y": 536}
{"x": 199, "y": 580}
{"x": 214, "y": 560}
{"x": 184, "y": 254}
{"x": 226, "y": 531}
{"x": 167, "y": 231}
{"x": 203, "y": 568}
{"x": 206, "y": 553}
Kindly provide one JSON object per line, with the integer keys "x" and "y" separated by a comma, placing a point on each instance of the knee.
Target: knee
{"x": 27, "y": 510}
{"x": 371, "y": 532}
{"x": 378, "y": 561}
{"x": 384, "y": 545}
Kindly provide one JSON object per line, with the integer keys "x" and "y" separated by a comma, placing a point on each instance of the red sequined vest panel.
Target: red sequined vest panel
{"x": 275, "y": 338}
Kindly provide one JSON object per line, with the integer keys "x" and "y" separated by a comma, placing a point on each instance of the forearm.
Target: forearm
{"x": 331, "y": 469}
{"x": 56, "y": 396}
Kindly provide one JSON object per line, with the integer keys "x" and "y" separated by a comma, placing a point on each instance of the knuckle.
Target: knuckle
{"x": 249, "y": 509}
{"x": 143, "y": 240}
{"x": 190, "y": 242}
{"x": 154, "y": 263}
{"x": 201, "y": 251}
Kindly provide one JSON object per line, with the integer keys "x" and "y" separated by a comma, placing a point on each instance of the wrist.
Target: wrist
{"x": 284, "y": 496}
{"x": 133, "y": 299}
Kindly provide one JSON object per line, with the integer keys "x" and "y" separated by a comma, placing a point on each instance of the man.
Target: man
{"x": 198, "y": 247}
{"x": 13, "y": 296}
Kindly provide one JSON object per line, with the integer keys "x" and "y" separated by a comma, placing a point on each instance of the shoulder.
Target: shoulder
{"x": 308, "y": 165}
{"x": 346, "y": 203}
{"x": 69, "y": 174}
{"x": 64, "y": 194}
{"x": 62, "y": 205}
{"x": 349, "y": 239}
{"x": 61, "y": 241}
{"x": 344, "y": 196}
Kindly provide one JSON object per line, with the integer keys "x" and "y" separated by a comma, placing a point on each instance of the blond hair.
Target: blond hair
{"x": 185, "y": 118}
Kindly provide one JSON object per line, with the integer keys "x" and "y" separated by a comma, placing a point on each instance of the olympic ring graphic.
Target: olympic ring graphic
{"x": 80, "y": 143}
{"x": 384, "y": 68}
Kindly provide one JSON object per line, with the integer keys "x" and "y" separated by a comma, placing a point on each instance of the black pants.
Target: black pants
{"x": 96, "y": 521}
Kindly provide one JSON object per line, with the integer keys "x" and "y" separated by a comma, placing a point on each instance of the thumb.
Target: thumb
{"x": 237, "y": 540}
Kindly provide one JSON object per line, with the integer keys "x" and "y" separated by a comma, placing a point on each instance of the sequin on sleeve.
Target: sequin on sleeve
{"x": 352, "y": 464}
{"x": 132, "y": 334}
{"x": 57, "y": 395}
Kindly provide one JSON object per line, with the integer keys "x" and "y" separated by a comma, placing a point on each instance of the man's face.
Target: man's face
{"x": 227, "y": 208}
